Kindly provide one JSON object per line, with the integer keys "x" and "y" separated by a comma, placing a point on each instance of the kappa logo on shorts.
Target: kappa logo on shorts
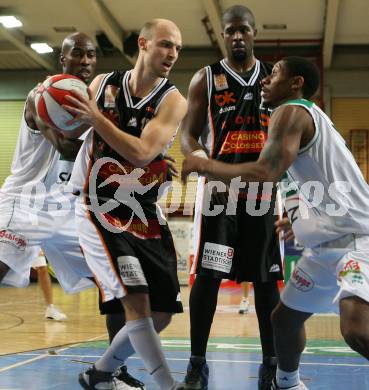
{"x": 217, "y": 257}
{"x": 14, "y": 239}
{"x": 301, "y": 280}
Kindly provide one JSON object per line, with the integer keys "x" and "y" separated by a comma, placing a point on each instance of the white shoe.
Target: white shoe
{"x": 300, "y": 386}
{"x": 123, "y": 380}
{"x": 52, "y": 313}
{"x": 244, "y": 306}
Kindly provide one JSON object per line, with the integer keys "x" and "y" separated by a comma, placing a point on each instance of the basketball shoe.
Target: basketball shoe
{"x": 267, "y": 372}
{"x": 300, "y": 386}
{"x": 197, "y": 374}
{"x": 94, "y": 379}
{"x": 244, "y": 306}
{"x": 122, "y": 380}
{"x": 52, "y": 313}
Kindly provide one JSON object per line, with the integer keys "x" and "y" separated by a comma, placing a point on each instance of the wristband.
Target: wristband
{"x": 200, "y": 153}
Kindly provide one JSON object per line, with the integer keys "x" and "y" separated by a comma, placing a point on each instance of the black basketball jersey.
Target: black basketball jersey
{"x": 237, "y": 125}
{"x": 129, "y": 114}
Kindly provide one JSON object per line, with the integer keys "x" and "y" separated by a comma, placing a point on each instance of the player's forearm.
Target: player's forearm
{"x": 248, "y": 172}
{"x": 189, "y": 143}
{"x": 67, "y": 147}
{"x": 131, "y": 148}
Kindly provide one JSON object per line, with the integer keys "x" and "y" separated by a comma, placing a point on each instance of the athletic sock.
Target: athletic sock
{"x": 287, "y": 379}
{"x": 146, "y": 343}
{"x": 116, "y": 354}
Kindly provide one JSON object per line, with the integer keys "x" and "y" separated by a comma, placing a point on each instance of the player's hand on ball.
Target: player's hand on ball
{"x": 50, "y": 96}
{"x": 84, "y": 110}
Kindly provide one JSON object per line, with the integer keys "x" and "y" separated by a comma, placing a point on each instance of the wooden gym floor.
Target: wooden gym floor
{"x": 42, "y": 354}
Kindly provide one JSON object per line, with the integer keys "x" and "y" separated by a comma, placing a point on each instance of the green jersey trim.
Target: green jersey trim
{"x": 302, "y": 102}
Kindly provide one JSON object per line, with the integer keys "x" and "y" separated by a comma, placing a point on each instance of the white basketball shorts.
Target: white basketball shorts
{"x": 22, "y": 234}
{"x": 328, "y": 273}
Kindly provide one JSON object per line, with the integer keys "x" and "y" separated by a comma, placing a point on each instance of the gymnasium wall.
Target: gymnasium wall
{"x": 10, "y": 114}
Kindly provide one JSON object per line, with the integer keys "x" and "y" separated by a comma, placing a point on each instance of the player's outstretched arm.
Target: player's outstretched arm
{"x": 195, "y": 120}
{"x": 157, "y": 133}
{"x": 288, "y": 128}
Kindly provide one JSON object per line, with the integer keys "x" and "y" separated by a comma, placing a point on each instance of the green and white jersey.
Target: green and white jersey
{"x": 325, "y": 193}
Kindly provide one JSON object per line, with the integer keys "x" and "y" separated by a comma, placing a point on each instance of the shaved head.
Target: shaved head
{"x": 238, "y": 12}
{"x": 78, "y": 56}
{"x": 73, "y": 39}
{"x": 148, "y": 28}
{"x": 159, "y": 44}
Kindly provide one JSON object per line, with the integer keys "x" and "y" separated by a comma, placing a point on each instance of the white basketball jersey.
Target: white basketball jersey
{"x": 325, "y": 193}
{"x": 35, "y": 161}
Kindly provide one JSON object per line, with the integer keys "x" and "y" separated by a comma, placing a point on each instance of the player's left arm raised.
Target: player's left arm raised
{"x": 288, "y": 128}
{"x": 154, "y": 137}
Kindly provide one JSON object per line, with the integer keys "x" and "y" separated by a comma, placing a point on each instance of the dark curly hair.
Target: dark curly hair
{"x": 300, "y": 66}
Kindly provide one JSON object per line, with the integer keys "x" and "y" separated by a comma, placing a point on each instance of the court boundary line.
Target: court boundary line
{"x": 44, "y": 355}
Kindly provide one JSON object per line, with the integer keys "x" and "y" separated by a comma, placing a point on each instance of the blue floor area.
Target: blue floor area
{"x": 229, "y": 370}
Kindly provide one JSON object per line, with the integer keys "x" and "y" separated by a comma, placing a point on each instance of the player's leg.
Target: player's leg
{"x": 203, "y": 303}
{"x": 114, "y": 323}
{"x": 244, "y": 304}
{"x": 139, "y": 333}
{"x": 3, "y": 270}
{"x": 353, "y": 275}
{"x": 354, "y": 317}
{"x": 44, "y": 281}
{"x": 74, "y": 275}
{"x": 290, "y": 340}
{"x": 311, "y": 289}
{"x": 115, "y": 319}
{"x": 266, "y": 296}
{"x": 214, "y": 234}
{"x": 259, "y": 260}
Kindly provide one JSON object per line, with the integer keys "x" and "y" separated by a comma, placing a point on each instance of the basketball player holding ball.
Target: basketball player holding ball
{"x": 44, "y": 158}
{"x": 34, "y": 212}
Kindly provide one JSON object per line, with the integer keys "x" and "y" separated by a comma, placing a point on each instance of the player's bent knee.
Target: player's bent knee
{"x": 356, "y": 339}
{"x": 3, "y": 270}
{"x": 284, "y": 318}
{"x": 355, "y": 324}
{"x": 136, "y": 306}
{"x": 42, "y": 270}
{"x": 161, "y": 320}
